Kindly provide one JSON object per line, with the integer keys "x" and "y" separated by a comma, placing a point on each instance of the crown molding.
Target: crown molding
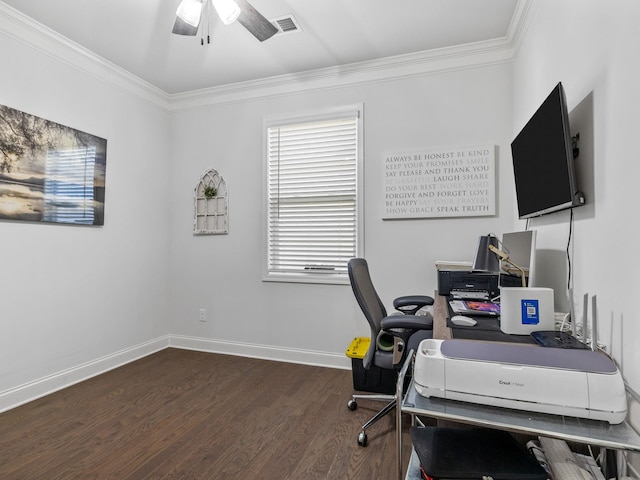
{"x": 24, "y": 29}
{"x": 380, "y": 70}
{"x": 472, "y": 55}
{"x": 17, "y": 26}
{"x": 522, "y": 17}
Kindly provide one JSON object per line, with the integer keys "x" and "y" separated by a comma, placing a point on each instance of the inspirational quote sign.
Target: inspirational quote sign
{"x": 450, "y": 182}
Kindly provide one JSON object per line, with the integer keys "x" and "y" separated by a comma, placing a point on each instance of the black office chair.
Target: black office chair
{"x": 391, "y": 336}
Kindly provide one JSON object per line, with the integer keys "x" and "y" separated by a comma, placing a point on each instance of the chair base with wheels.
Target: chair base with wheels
{"x": 363, "y": 440}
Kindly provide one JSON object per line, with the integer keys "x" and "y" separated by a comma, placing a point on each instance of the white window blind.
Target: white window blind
{"x": 312, "y": 197}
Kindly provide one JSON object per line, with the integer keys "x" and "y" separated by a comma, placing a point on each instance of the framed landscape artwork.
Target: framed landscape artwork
{"x": 50, "y": 172}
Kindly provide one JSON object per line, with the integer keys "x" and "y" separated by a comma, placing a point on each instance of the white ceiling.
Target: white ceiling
{"x": 136, "y": 35}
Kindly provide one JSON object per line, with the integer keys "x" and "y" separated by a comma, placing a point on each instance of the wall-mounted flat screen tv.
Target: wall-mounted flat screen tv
{"x": 543, "y": 161}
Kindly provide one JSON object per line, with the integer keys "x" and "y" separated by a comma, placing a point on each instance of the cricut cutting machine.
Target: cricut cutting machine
{"x": 573, "y": 382}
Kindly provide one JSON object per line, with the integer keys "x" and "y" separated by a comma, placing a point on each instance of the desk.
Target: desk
{"x": 592, "y": 432}
{"x": 440, "y": 314}
{"x": 488, "y": 327}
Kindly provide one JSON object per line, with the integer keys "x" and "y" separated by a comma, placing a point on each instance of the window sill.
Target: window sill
{"x": 331, "y": 279}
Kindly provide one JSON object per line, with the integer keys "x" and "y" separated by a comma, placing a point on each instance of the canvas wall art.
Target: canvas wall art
{"x": 50, "y": 172}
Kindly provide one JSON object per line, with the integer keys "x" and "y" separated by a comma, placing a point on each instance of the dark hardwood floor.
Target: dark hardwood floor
{"x": 181, "y": 414}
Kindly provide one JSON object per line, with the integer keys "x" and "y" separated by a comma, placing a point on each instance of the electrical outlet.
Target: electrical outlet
{"x": 203, "y": 314}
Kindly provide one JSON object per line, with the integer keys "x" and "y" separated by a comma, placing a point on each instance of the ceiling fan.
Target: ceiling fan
{"x": 189, "y": 15}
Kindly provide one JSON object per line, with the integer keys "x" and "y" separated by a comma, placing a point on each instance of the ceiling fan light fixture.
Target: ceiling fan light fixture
{"x": 228, "y": 10}
{"x": 190, "y": 11}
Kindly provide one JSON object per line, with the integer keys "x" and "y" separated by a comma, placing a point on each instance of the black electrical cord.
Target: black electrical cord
{"x": 569, "y": 249}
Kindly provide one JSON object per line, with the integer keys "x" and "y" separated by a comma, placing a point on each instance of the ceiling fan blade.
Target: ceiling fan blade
{"x": 183, "y": 28}
{"x": 255, "y": 22}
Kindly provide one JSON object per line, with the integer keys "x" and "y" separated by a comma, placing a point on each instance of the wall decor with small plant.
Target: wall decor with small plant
{"x": 211, "y": 205}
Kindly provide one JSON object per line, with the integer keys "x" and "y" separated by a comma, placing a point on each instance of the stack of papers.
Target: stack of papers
{"x": 474, "y": 307}
{"x": 444, "y": 265}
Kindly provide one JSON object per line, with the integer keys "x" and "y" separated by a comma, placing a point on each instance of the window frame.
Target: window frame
{"x": 301, "y": 118}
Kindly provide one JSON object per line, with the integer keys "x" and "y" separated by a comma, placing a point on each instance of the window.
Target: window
{"x": 313, "y": 175}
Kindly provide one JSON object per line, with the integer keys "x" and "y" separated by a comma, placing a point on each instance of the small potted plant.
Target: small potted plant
{"x": 210, "y": 191}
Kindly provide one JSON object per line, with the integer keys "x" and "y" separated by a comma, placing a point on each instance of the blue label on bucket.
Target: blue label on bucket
{"x": 530, "y": 312}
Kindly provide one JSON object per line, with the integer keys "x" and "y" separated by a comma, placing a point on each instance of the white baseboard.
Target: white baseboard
{"x": 264, "y": 352}
{"x": 22, "y": 394}
{"x": 44, "y": 386}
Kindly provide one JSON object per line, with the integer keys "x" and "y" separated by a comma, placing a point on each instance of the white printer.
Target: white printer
{"x": 573, "y": 382}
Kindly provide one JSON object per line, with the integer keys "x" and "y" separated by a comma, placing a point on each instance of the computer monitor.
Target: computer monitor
{"x": 521, "y": 248}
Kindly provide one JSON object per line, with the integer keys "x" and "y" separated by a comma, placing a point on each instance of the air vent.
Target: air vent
{"x": 286, "y": 24}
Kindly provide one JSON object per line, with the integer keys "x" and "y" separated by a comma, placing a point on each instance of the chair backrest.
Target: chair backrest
{"x": 369, "y": 302}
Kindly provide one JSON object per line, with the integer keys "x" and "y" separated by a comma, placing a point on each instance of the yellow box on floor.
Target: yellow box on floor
{"x": 358, "y": 347}
{"x": 373, "y": 379}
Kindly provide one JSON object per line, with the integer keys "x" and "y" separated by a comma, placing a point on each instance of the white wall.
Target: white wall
{"x": 466, "y": 106}
{"x": 588, "y": 46}
{"x": 147, "y": 276}
{"x": 591, "y": 46}
{"x": 73, "y": 295}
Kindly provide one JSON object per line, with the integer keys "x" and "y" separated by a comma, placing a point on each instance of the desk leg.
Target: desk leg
{"x": 399, "y": 398}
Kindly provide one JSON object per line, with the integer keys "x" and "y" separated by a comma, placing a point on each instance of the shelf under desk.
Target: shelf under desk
{"x": 572, "y": 429}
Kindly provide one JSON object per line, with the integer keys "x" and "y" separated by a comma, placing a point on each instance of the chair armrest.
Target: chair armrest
{"x": 410, "y": 304}
{"x": 414, "y": 322}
